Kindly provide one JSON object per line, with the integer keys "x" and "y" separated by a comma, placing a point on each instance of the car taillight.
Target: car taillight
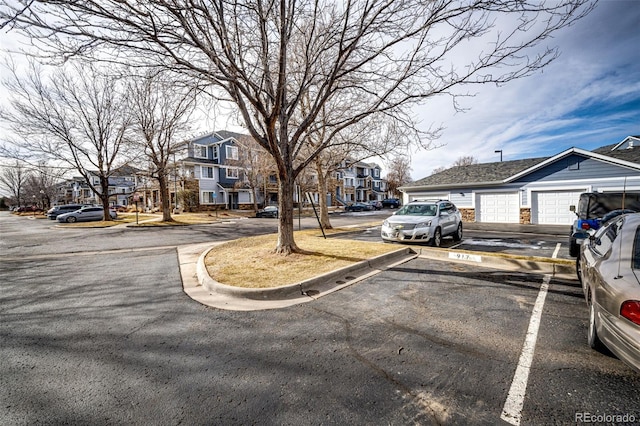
{"x": 630, "y": 309}
{"x": 585, "y": 225}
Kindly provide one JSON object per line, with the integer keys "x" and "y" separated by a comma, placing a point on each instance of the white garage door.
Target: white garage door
{"x": 552, "y": 207}
{"x": 502, "y": 207}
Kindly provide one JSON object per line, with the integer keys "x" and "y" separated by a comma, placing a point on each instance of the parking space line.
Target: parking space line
{"x": 512, "y": 410}
{"x": 556, "y": 251}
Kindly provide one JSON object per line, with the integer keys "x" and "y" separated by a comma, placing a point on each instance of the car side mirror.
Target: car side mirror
{"x": 572, "y": 208}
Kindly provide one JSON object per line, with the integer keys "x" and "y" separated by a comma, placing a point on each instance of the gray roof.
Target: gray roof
{"x": 495, "y": 173}
{"x": 630, "y": 155}
{"x": 478, "y": 173}
{"x": 225, "y": 134}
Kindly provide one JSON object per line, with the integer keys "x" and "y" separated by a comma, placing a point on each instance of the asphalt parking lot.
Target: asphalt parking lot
{"x": 519, "y": 240}
{"x": 106, "y": 335}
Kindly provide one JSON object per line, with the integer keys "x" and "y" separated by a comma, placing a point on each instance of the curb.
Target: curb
{"x": 557, "y": 268}
{"x": 313, "y": 287}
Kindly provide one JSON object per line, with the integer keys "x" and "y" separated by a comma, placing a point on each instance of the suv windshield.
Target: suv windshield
{"x": 418, "y": 210}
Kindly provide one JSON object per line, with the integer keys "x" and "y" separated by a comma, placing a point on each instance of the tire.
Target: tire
{"x": 458, "y": 234}
{"x": 71, "y": 219}
{"x": 579, "y": 269}
{"x": 437, "y": 238}
{"x": 592, "y": 333}
{"x": 574, "y": 247}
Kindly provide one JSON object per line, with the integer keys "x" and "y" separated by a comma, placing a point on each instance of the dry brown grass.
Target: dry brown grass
{"x": 251, "y": 262}
{"x": 188, "y": 219}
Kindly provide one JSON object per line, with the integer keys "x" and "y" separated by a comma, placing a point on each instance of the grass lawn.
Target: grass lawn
{"x": 250, "y": 262}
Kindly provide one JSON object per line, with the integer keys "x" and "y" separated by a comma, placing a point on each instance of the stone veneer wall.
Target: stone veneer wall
{"x": 468, "y": 215}
{"x": 525, "y": 216}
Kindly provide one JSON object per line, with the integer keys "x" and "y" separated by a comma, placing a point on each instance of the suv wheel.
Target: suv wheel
{"x": 574, "y": 248}
{"x": 458, "y": 235}
{"x": 437, "y": 238}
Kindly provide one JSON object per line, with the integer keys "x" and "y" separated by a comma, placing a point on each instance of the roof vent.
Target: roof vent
{"x": 630, "y": 146}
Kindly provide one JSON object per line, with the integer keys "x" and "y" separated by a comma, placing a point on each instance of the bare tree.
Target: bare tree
{"x": 13, "y": 179}
{"x": 161, "y": 109}
{"x": 375, "y": 135}
{"x": 438, "y": 170}
{"x": 465, "y": 160}
{"x": 399, "y": 173}
{"x": 376, "y": 57}
{"x": 77, "y": 116}
{"x": 256, "y": 165}
{"x": 42, "y": 181}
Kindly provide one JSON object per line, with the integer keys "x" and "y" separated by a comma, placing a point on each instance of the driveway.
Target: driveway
{"x": 105, "y": 335}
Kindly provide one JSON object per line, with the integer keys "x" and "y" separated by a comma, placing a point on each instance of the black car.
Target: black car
{"x": 269, "y": 211}
{"x": 358, "y": 207}
{"x": 393, "y": 203}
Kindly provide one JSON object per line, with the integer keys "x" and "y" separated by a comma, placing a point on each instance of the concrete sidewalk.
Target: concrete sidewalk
{"x": 559, "y": 230}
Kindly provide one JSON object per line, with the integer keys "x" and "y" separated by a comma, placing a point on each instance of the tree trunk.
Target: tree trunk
{"x": 254, "y": 194}
{"x": 165, "y": 197}
{"x": 322, "y": 196}
{"x": 104, "y": 197}
{"x": 286, "y": 186}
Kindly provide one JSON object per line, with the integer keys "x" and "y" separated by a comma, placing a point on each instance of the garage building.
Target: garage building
{"x": 533, "y": 190}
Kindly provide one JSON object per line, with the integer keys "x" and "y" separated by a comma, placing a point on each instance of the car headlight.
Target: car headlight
{"x": 385, "y": 223}
{"x": 424, "y": 224}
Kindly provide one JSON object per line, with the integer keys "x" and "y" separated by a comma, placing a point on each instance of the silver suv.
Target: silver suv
{"x": 424, "y": 221}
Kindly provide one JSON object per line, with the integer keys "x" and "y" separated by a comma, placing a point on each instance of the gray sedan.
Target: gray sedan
{"x": 86, "y": 214}
{"x": 609, "y": 269}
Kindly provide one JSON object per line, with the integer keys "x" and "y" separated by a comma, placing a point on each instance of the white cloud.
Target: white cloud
{"x": 575, "y": 101}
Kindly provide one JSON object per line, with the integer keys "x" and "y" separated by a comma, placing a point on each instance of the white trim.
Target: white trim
{"x": 541, "y": 215}
{"x": 203, "y": 177}
{"x": 621, "y": 189}
{"x": 233, "y": 149}
{"x": 207, "y": 203}
{"x": 197, "y": 151}
{"x": 557, "y": 188}
{"x": 625, "y": 141}
{"x": 568, "y": 152}
{"x": 477, "y": 205}
{"x": 226, "y": 172}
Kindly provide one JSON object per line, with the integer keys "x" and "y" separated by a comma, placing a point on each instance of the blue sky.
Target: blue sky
{"x": 587, "y": 98}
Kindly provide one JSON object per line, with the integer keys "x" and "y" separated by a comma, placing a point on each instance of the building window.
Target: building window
{"x": 200, "y": 151}
{"x": 232, "y": 173}
{"x": 376, "y": 173}
{"x": 232, "y": 152}
{"x": 208, "y": 197}
{"x": 215, "y": 152}
{"x": 207, "y": 172}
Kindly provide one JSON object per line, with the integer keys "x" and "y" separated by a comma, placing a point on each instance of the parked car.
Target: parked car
{"x": 55, "y": 211}
{"x": 376, "y": 205}
{"x": 609, "y": 270}
{"x": 424, "y": 221}
{"x": 358, "y": 207}
{"x": 86, "y": 214}
{"x": 592, "y": 208}
{"x": 393, "y": 203}
{"x": 269, "y": 211}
